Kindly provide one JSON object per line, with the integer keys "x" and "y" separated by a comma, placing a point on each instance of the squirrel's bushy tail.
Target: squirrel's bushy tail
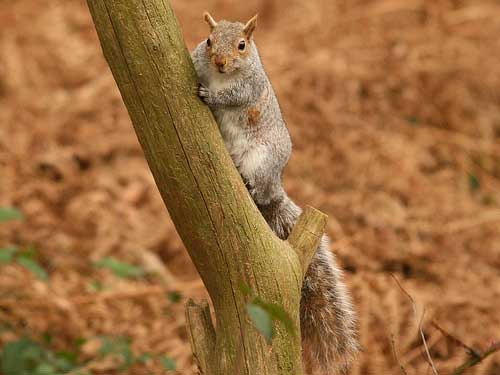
{"x": 328, "y": 321}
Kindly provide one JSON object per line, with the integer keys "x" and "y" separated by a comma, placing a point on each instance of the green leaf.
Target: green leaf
{"x": 27, "y": 357}
{"x": 79, "y": 342}
{"x": 145, "y": 357}
{"x": 474, "y": 183}
{"x": 245, "y": 289}
{"x": 29, "y": 252}
{"x": 108, "y": 345}
{"x": 45, "y": 368}
{"x": 267, "y": 314}
{"x": 7, "y": 254}
{"x": 21, "y": 357}
{"x": 118, "y": 346}
{"x": 168, "y": 363}
{"x": 262, "y": 320}
{"x": 96, "y": 286}
{"x": 174, "y": 296}
{"x": 120, "y": 269}
{"x": 33, "y": 266}
{"x": 10, "y": 213}
{"x": 65, "y": 360}
{"x": 277, "y": 312}
{"x": 47, "y": 337}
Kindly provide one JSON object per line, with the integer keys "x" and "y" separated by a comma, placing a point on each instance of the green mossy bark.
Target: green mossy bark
{"x": 223, "y": 231}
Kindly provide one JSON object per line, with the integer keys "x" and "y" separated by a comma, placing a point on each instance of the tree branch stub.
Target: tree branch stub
{"x": 201, "y": 334}
{"x": 306, "y": 235}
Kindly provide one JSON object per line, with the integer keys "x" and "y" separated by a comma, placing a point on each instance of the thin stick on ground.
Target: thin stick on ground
{"x": 424, "y": 341}
{"x": 473, "y": 361}
{"x": 475, "y": 356}
{"x": 395, "y": 353}
{"x": 471, "y": 351}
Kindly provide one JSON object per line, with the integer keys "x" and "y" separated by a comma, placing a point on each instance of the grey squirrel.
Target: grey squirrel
{"x": 233, "y": 83}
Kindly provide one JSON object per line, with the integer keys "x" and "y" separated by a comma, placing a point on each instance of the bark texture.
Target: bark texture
{"x": 227, "y": 238}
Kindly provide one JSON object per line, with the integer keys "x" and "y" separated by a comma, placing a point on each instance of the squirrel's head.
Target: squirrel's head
{"x": 230, "y": 44}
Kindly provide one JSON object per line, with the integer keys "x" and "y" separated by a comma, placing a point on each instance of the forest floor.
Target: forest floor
{"x": 394, "y": 112}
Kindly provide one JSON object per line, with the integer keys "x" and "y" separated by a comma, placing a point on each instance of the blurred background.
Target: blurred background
{"x": 394, "y": 111}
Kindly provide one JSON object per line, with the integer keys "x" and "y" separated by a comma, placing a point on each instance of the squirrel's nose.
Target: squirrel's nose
{"x": 220, "y": 61}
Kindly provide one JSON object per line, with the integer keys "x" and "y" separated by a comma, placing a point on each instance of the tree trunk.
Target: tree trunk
{"x": 228, "y": 240}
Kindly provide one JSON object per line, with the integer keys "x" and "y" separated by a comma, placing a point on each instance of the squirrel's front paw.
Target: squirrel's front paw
{"x": 203, "y": 93}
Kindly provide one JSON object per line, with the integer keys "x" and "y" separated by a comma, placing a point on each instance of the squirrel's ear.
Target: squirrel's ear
{"x": 209, "y": 19}
{"x": 250, "y": 26}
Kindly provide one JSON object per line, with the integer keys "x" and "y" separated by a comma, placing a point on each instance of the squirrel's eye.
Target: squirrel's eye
{"x": 209, "y": 42}
{"x": 241, "y": 46}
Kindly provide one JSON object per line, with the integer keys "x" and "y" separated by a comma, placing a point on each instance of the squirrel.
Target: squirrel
{"x": 233, "y": 83}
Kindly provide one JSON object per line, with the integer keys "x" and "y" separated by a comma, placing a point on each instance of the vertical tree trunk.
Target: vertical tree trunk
{"x": 227, "y": 238}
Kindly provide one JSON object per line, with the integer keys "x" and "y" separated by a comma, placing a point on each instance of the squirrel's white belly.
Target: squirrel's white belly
{"x": 246, "y": 153}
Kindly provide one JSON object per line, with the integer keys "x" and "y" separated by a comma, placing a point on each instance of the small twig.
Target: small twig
{"x": 425, "y": 343}
{"x": 414, "y": 306}
{"x": 471, "y": 351}
{"x": 472, "y": 361}
{"x": 394, "y": 351}
{"x": 475, "y": 356}
{"x": 412, "y": 354}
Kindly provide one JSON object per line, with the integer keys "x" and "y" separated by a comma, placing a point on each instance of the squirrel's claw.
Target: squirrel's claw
{"x": 203, "y": 92}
